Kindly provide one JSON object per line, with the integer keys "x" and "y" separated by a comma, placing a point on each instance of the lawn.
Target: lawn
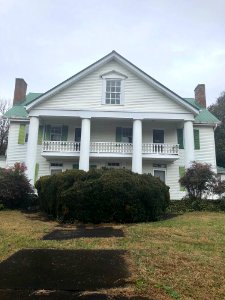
{"x": 179, "y": 258}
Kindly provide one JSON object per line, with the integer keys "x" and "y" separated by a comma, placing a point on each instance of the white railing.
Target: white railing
{"x": 110, "y": 147}
{"x": 60, "y": 146}
{"x": 170, "y": 149}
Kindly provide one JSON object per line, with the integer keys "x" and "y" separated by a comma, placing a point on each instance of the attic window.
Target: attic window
{"x": 113, "y": 91}
{"x": 113, "y": 88}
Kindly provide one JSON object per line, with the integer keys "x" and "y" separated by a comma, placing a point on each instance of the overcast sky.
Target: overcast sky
{"x": 178, "y": 42}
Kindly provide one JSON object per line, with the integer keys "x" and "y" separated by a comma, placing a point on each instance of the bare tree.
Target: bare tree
{"x": 4, "y": 126}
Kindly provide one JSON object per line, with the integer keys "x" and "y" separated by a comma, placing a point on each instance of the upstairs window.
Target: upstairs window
{"x": 56, "y": 133}
{"x": 113, "y": 91}
{"x": 158, "y": 136}
{"x": 113, "y": 88}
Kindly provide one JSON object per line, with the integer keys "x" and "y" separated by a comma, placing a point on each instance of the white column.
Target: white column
{"x": 188, "y": 143}
{"x": 137, "y": 147}
{"x": 85, "y": 144}
{"x": 32, "y": 148}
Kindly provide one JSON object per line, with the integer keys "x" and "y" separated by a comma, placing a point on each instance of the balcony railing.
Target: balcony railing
{"x": 60, "y": 146}
{"x": 152, "y": 148}
{"x": 110, "y": 147}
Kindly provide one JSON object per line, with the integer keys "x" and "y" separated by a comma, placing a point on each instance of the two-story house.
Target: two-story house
{"x": 111, "y": 115}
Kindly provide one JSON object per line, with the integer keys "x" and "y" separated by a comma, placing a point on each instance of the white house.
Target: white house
{"x": 111, "y": 114}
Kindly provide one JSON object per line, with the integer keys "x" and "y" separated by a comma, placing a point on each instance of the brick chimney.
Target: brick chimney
{"x": 200, "y": 94}
{"x": 20, "y": 90}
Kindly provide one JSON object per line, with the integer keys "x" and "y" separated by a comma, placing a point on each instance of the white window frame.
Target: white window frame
{"x": 113, "y": 75}
{"x": 58, "y": 166}
{"x": 160, "y": 169}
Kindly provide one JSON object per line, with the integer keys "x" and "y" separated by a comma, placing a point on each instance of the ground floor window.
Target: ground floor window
{"x": 56, "y": 168}
{"x": 161, "y": 174}
{"x": 113, "y": 165}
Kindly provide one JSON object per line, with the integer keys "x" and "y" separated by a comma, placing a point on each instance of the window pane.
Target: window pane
{"x": 117, "y": 101}
{"x": 112, "y": 101}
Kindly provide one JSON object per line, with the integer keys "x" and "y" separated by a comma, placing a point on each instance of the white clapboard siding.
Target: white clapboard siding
{"x": 206, "y": 154}
{"x": 86, "y": 94}
{"x": 15, "y": 152}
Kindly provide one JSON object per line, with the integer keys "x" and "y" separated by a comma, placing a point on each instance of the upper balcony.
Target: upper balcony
{"x": 67, "y": 149}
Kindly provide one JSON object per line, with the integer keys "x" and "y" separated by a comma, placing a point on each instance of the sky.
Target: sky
{"x": 180, "y": 43}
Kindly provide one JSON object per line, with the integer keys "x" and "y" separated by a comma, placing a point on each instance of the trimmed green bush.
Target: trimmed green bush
{"x": 15, "y": 189}
{"x": 103, "y": 196}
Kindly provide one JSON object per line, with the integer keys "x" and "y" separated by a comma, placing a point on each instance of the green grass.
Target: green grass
{"x": 179, "y": 258}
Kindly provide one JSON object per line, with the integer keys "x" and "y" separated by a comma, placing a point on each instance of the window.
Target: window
{"x": 161, "y": 174}
{"x": 113, "y": 165}
{"x": 158, "y": 136}
{"x": 56, "y": 168}
{"x": 113, "y": 87}
{"x": 113, "y": 91}
{"x": 124, "y": 134}
{"x": 56, "y": 133}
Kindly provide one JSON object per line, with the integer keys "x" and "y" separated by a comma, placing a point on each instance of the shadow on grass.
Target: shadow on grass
{"x": 64, "y": 274}
{"x": 83, "y": 232}
{"x": 70, "y": 270}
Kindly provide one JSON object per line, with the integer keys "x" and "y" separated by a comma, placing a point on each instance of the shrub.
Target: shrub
{"x": 14, "y": 187}
{"x": 199, "y": 180}
{"x": 103, "y": 196}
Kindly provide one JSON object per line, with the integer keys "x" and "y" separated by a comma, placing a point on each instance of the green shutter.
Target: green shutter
{"x": 196, "y": 139}
{"x": 118, "y": 134}
{"x": 180, "y": 138}
{"x": 40, "y": 134}
{"x": 22, "y": 133}
{"x": 76, "y": 166}
{"x": 36, "y": 172}
{"x": 47, "y": 132}
{"x": 181, "y": 174}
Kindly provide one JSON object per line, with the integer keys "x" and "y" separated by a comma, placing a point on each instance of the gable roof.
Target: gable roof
{"x": 120, "y": 59}
{"x": 202, "y": 115}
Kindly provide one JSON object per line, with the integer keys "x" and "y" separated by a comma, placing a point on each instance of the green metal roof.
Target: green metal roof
{"x": 204, "y": 116}
{"x": 19, "y": 111}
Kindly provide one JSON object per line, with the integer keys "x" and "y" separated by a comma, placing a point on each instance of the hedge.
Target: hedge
{"x": 103, "y": 196}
